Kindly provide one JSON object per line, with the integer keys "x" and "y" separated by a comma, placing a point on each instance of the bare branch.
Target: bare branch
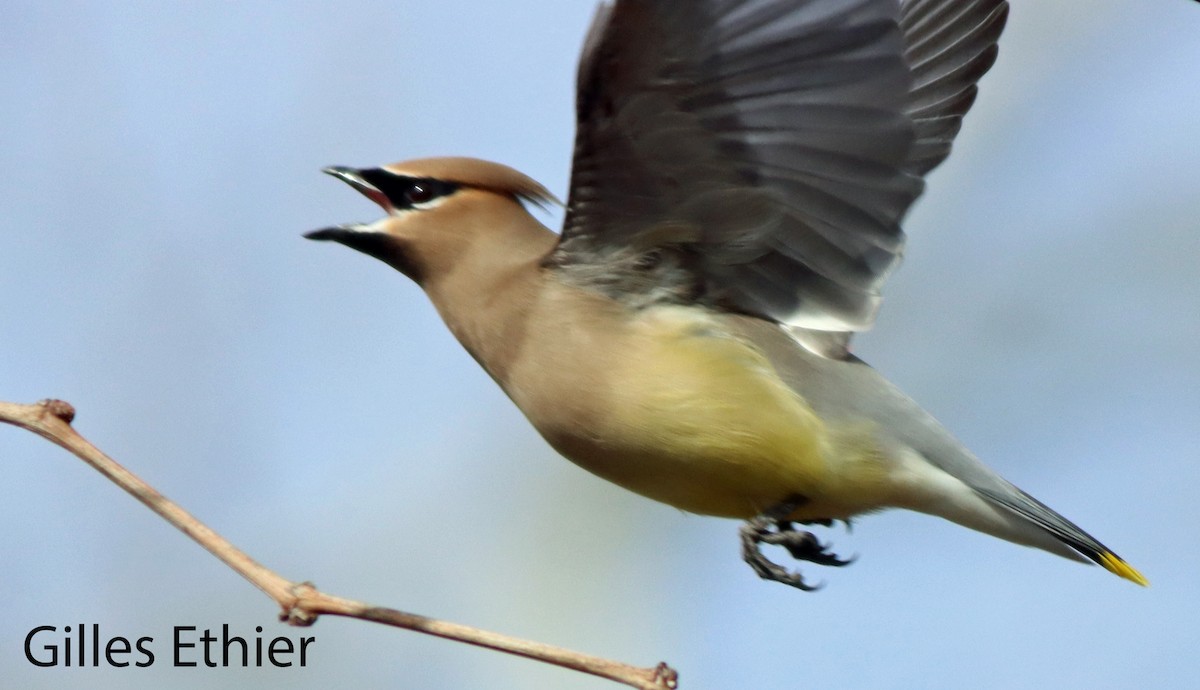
{"x": 302, "y": 603}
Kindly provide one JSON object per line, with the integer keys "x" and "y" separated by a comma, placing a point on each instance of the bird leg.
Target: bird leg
{"x": 772, "y": 527}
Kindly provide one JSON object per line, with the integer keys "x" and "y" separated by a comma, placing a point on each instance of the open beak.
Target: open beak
{"x": 351, "y": 234}
{"x": 354, "y": 178}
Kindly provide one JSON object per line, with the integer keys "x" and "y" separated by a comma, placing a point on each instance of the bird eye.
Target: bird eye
{"x": 419, "y": 193}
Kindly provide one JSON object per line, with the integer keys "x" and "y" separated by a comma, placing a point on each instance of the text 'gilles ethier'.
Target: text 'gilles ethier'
{"x": 83, "y": 645}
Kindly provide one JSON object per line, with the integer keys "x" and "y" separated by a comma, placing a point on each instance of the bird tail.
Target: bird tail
{"x": 1064, "y": 531}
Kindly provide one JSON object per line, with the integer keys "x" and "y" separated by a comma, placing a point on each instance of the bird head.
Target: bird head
{"x": 433, "y": 206}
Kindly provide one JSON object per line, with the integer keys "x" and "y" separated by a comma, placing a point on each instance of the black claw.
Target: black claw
{"x": 752, "y": 535}
{"x": 804, "y": 546}
{"x": 773, "y": 527}
{"x": 830, "y": 522}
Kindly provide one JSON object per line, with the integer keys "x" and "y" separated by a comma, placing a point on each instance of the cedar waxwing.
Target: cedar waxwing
{"x": 741, "y": 170}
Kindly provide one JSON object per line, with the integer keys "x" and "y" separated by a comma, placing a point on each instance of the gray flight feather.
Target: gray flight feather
{"x": 771, "y": 147}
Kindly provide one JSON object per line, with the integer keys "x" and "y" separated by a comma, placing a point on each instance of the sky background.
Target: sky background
{"x": 159, "y": 162}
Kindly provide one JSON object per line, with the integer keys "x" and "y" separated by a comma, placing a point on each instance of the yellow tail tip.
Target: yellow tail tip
{"x": 1113, "y": 564}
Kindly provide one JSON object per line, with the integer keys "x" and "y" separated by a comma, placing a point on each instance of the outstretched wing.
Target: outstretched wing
{"x": 777, "y": 143}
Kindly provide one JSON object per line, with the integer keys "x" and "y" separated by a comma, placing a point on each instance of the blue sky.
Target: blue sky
{"x": 161, "y": 161}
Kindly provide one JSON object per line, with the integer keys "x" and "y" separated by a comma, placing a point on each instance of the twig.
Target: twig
{"x": 301, "y": 602}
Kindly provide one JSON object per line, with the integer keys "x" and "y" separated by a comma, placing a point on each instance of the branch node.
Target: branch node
{"x": 295, "y": 612}
{"x": 60, "y": 409}
{"x": 665, "y": 676}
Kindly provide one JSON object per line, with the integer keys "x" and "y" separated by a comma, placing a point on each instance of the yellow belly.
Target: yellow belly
{"x": 698, "y": 419}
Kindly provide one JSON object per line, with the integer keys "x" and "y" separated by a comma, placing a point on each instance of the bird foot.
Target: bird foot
{"x": 772, "y": 527}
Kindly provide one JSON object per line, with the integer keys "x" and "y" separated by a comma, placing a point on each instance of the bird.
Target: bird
{"x": 741, "y": 172}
